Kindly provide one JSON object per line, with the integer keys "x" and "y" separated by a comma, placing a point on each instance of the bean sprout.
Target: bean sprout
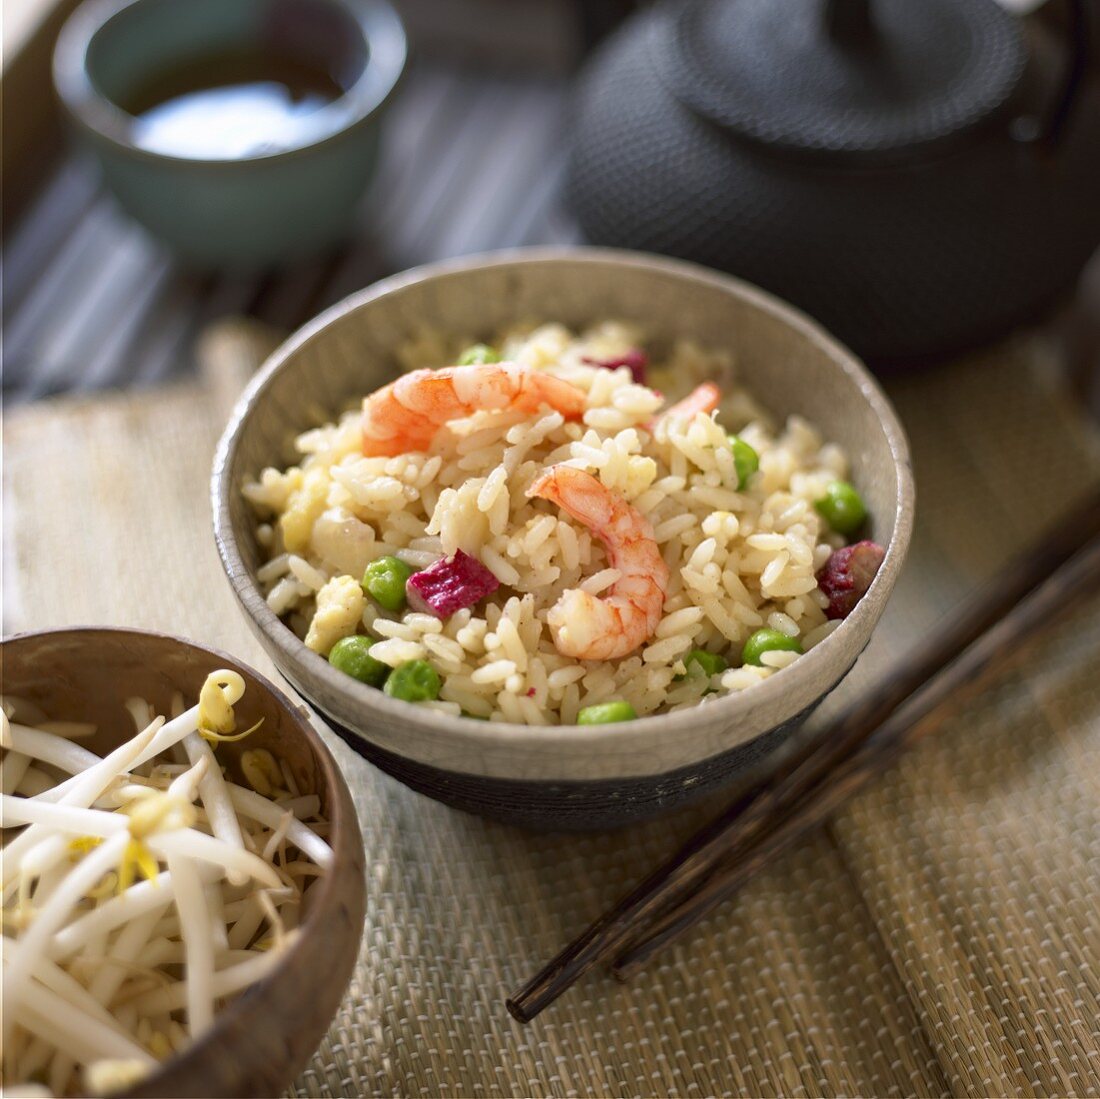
{"x": 140, "y": 892}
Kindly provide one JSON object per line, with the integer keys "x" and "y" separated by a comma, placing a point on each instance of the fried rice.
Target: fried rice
{"x": 739, "y": 558}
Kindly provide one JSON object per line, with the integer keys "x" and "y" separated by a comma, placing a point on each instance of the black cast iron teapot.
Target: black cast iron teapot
{"x": 906, "y": 171}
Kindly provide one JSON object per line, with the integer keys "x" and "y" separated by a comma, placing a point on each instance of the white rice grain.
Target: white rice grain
{"x": 273, "y": 569}
{"x": 774, "y": 570}
{"x": 397, "y": 651}
{"x": 672, "y": 528}
{"x": 667, "y": 650}
{"x": 497, "y": 671}
{"x": 778, "y": 658}
{"x": 494, "y": 485}
{"x": 679, "y": 622}
{"x": 312, "y": 578}
{"x": 285, "y": 594}
{"x": 561, "y": 678}
{"x": 500, "y": 568}
{"x": 385, "y": 627}
{"x": 783, "y": 623}
{"x": 419, "y": 559}
{"x": 600, "y": 581}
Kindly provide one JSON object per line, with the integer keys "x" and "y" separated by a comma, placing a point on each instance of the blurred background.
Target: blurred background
{"x": 473, "y": 155}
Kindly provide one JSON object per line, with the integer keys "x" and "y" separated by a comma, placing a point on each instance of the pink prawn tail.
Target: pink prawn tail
{"x": 703, "y": 398}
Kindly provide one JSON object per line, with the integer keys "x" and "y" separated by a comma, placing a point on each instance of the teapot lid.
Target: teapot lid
{"x": 850, "y": 80}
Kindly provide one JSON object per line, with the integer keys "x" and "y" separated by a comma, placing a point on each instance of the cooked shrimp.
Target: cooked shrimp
{"x": 703, "y": 398}
{"x": 589, "y": 627}
{"x": 405, "y": 415}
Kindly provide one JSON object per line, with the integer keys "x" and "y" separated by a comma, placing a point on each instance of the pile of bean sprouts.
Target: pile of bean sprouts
{"x": 142, "y": 889}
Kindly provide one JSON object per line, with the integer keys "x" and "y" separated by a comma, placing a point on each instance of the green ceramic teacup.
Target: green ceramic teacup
{"x": 273, "y": 204}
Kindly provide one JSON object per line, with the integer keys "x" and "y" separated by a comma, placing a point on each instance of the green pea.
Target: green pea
{"x": 351, "y": 655}
{"x": 745, "y": 460}
{"x": 766, "y": 641}
{"x": 603, "y": 713}
{"x": 384, "y": 582}
{"x": 842, "y": 507}
{"x": 413, "y": 681}
{"x": 699, "y": 662}
{"x": 477, "y": 354}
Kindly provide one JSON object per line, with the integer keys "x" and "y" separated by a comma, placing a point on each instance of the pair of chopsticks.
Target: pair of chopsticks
{"x": 862, "y": 743}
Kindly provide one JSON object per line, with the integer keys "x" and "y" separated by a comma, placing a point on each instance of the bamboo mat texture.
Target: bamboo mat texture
{"x": 940, "y": 937}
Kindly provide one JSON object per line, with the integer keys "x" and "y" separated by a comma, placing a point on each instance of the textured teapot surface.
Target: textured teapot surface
{"x": 860, "y": 162}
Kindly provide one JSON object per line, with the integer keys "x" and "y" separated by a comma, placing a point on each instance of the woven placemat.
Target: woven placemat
{"x": 941, "y": 936}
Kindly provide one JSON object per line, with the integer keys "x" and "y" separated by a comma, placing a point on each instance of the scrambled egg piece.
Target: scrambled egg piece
{"x": 343, "y": 542}
{"x": 340, "y": 605}
{"x": 304, "y": 506}
{"x": 639, "y": 474}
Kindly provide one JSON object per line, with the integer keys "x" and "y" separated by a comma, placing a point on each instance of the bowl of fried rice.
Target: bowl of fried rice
{"x": 564, "y": 537}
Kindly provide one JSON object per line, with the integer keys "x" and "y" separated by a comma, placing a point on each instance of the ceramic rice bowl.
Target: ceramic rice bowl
{"x": 571, "y": 777}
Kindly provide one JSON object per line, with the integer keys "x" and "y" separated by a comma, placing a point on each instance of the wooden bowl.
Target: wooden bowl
{"x": 565, "y": 776}
{"x": 265, "y": 1037}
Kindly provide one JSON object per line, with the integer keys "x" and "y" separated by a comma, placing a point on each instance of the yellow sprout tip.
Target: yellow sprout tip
{"x": 211, "y": 736}
{"x": 81, "y": 845}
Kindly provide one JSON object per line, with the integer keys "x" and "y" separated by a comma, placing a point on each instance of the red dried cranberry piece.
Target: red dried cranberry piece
{"x": 635, "y": 358}
{"x": 847, "y": 575}
{"x": 449, "y": 585}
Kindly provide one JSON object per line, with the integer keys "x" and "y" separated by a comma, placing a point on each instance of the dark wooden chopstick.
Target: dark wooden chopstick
{"x": 913, "y": 720}
{"x": 654, "y": 907}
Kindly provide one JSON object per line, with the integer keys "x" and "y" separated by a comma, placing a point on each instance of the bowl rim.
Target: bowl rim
{"x": 492, "y": 736}
{"x": 339, "y": 826}
{"x": 101, "y": 117}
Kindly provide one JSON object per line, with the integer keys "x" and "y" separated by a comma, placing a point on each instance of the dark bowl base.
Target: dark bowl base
{"x": 573, "y": 806}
